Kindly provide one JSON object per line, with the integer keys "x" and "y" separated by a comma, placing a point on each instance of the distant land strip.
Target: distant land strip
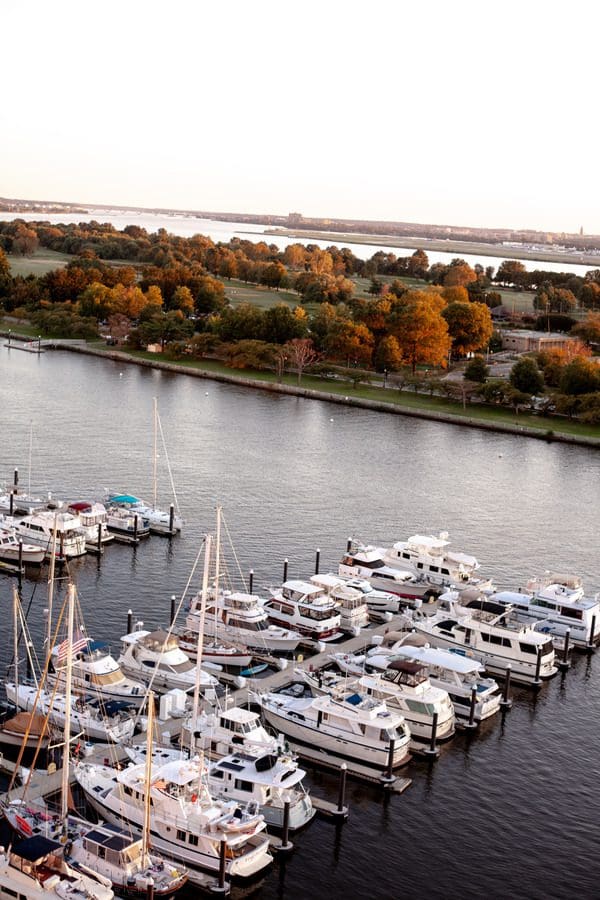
{"x": 442, "y": 246}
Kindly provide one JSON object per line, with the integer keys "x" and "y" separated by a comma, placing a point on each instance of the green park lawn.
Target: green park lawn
{"x": 239, "y": 292}
{"x": 38, "y": 263}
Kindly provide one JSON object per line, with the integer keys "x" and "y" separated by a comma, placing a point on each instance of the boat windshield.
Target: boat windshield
{"x": 318, "y": 615}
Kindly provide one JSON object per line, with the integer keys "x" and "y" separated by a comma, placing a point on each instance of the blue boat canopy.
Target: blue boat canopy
{"x": 123, "y": 498}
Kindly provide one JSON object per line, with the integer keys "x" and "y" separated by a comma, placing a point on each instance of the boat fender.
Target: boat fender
{"x": 194, "y": 798}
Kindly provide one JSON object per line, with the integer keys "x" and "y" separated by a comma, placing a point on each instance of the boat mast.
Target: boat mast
{"x": 217, "y": 565}
{"x": 67, "y": 731}
{"x": 16, "y": 640}
{"x": 200, "y": 645}
{"x": 147, "y": 779}
{"x": 154, "y": 473}
{"x": 30, "y": 453}
{"x": 51, "y": 588}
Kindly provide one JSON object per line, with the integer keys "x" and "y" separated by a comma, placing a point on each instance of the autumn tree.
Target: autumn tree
{"x": 182, "y": 299}
{"x": 25, "y": 241}
{"x": 350, "y": 341}
{"x": 421, "y": 330}
{"x": 388, "y": 355}
{"x": 209, "y": 295}
{"x": 469, "y": 326}
{"x": 589, "y": 329}
{"x": 580, "y": 376}
{"x": 301, "y": 353}
{"x": 459, "y": 273}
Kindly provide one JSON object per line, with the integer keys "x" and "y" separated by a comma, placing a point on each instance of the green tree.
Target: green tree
{"x": 589, "y": 329}
{"x": 511, "y": 271}
{"x": 580, "y": 376}
{"x": 209, "y": 295}
{"x": 525, "y": 376}
{"x": 476, "y": 370}
{"x": 280, "y": 324}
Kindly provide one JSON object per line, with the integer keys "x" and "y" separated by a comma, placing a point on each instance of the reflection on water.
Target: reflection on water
{"x": 509, "y": 812}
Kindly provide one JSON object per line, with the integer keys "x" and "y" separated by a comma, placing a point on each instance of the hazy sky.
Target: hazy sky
{"x": 448, "y": 112}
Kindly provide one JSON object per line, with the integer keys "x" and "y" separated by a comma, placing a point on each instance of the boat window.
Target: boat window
{"x": 424, "y": 709}
{"x": 547, "y": 647}
{"x": 149, "y": 663}
{"x": 419, "y": 565}
{"x": 217, "y": 773}
{"x": 485, "y": 637}
{"x": 571, "y": 613}
{"x": 445, "y": 571}
{"x": 506, "y": 642}
{"x": 495, "y": 639}
{"x": 528, "y": 648}
{"x": 406, "y": 556}
{"x": 434, "y": 568}
{"x": 193, "y": 839}
{"x": 243, "y": 785}
{"x": 544, "y": 603}
{"x": 181, "y": 835}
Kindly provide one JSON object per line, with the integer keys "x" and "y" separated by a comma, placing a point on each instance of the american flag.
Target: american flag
{"x": 76, "y": 646}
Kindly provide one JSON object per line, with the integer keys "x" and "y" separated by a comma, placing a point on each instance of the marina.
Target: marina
{"x": 485, "y": 765}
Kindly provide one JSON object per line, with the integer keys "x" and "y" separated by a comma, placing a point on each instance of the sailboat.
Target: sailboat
{"x": 107, "y": 852}
{"x": 41, "y": 855}
{"x": 159, "y": 521}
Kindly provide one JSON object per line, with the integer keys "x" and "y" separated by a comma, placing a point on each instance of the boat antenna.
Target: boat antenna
{"x": 16, "y": 640}
{"x": 166, "y": 455}
{"x": 217, "y": 565}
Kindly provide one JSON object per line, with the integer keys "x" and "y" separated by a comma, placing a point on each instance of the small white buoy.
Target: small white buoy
{"x": 206, "y": 393}
{"x": 331, "y": 420}
{"x": 120, "y": 374}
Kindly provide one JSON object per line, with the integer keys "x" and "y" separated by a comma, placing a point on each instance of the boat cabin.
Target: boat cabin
{"x": 404, "y": 671}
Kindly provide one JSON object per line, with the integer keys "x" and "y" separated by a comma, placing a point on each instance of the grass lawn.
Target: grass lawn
{"x": 239, "y": 292}
{"x": 38, "y": 263}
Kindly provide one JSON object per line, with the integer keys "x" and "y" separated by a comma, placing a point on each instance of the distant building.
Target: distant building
{"x": 534, "y": 341}
{"x": 294, "y": 218}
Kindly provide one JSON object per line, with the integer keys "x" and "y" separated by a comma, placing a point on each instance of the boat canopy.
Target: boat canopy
{"x": 94, "y": 646}
{"x": 123, "y": 498}
{"x": 80, "y": 506}
{"x": 36, "y": 848}
{"x": 178, "y": 772}
{"x": 433, "y": 656}
{"x": 160, "y": 641}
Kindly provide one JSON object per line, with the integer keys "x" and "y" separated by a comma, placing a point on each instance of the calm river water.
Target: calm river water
{"x": 512, "y": 812}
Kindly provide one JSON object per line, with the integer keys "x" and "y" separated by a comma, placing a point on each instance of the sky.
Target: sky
{"x": 466, "y": 113}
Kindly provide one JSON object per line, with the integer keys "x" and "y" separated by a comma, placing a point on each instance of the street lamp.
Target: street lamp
{"x": 385, "y": 377}
{"x": 39, "y": 343}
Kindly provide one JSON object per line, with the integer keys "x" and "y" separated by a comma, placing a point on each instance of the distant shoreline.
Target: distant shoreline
{"x": 472, "y": 248}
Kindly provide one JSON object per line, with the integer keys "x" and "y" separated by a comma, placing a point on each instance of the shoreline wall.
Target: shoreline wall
{"x": 308, "y": 393}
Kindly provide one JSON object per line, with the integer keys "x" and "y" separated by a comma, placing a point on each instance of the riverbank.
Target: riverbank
{"x": 378, "y": 399}
{"x": 474, "y": 248}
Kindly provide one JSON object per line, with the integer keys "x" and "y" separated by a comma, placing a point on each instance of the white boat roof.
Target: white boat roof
{"x": 304, "y": 587}
{"x": 327, "y": 581}
{"x": 571, "y": 599}
{"x": 425, "y": 541}
{"x": 433, "y": 656}
{"x": 178, "y": 771}
{"x": 134, "y": 636}
{"x": 238, "y": 714}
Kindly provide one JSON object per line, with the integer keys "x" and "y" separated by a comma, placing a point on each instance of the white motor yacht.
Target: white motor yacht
{"x": 351, "y": 725}
{"x": 155, "y": 658}
{"x": 12, "y": 548}
{"x": 351, "y": 603}
{"x": 305, "y": 607}
{"x": 242, "y": 620}
{"x": 367, "y": 563}
{"x": 126, "y": 523}
{"x": 556, "y": 603}
{"x": 95, "y": 672}
{"x": 459, "y": 675}
{"x": 187, "y": 822}
{"x": 250, "y": 776}
{"x": 489, "y": 634}
{"x": 429, "y": 555}
{"x": 36, "y": 868}
{"x": 378, "y": 602}
{"x": 38, "y": 528}
{"x": 224, "y": 731}
{"x": 92, "y": 517}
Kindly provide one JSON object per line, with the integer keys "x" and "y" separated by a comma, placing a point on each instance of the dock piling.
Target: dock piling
{"x": 564, "y": 664}
{"x": 590, "y": 644}
{"x": 99, "y": 539}
{"x": 11, "y": 503}
{"x": 129, "y": 620}
{"x": 250, "y": 580}
{"x": 285, "y": 569}
{"x": 387, "y": 776}
{"x": 342, "y": 810}
{"x": 135, "y": 528}
{"x": 171, "y": 519}
{"x": 20, "y": 574}
{"x": 285, "y": 846}
{"x": 537, "y": 682}
{"x": 472, "y": 723}
{"x": 173, "y": 599}
{"x": 317, "y": 560}
{"x": 16, "y": 482}
{"x": 432, "y": 751}
{"x": 349, "y": 545}
{"x": 506, "y": 701}
{"x": 150, "y": 889}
